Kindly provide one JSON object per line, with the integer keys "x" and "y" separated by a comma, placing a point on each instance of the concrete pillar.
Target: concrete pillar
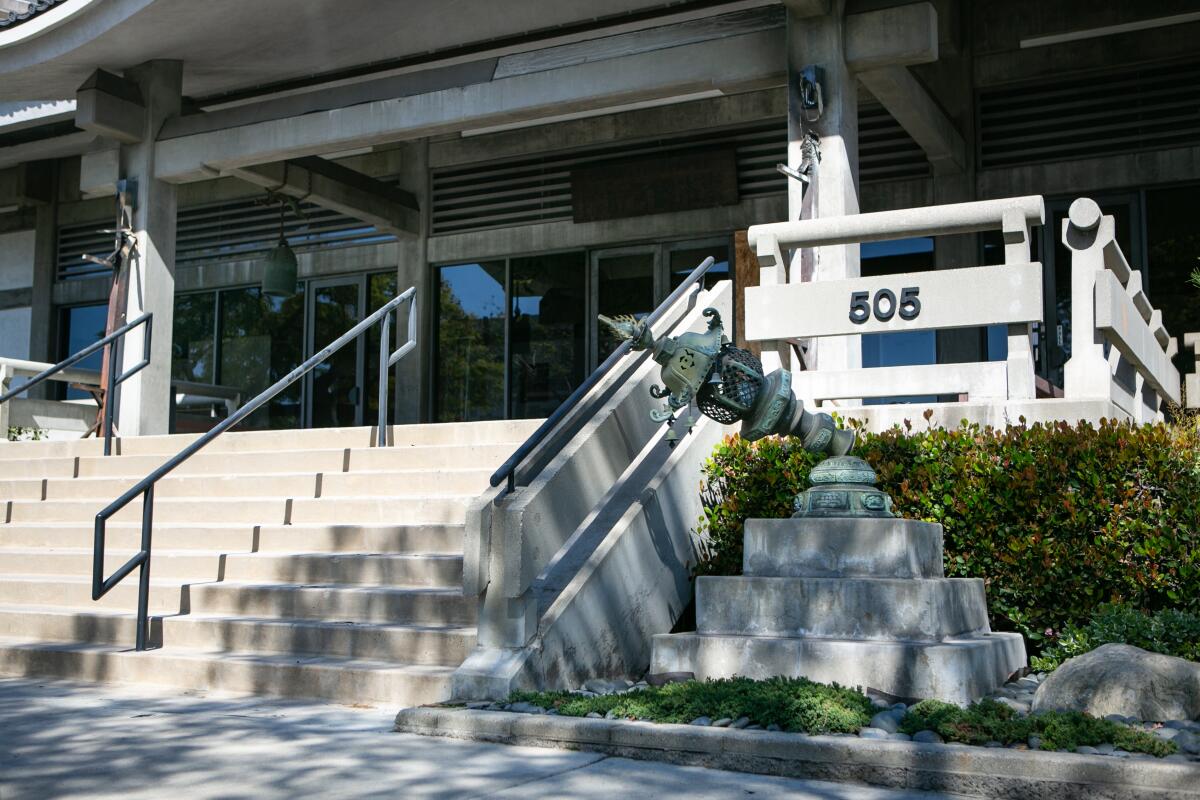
{"x": 820, "y": 41}
{"x": 144, "y": 400}
{"x": 42, "y": 343}
{"x": 413, "y": 395}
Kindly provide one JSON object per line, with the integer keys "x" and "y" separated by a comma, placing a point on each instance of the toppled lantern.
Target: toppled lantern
{"x": 728, "y": 385}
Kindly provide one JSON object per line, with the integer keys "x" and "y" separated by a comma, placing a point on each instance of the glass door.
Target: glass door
{"x": 625, "y": 281}
{"x": 334, "y": 390}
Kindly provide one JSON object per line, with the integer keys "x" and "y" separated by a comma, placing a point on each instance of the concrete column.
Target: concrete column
{"x": 413, "y": 395}
{"x": 144, "y": 400}
{"x": 41, "y": 323}
{"x": 820, "y": 41}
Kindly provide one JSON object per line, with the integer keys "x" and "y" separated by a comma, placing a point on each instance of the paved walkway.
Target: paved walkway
{"x": 63, "y": 739}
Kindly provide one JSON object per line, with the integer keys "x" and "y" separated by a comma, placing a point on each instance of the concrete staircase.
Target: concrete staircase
{"x": 306, "y": 563}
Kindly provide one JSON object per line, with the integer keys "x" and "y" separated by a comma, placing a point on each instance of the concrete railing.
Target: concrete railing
{"x": 534, "y": 561}
{"x": 1191, "y": 341}
{"x": 1120, "y": 350}
{"x": 1009, "y": 294}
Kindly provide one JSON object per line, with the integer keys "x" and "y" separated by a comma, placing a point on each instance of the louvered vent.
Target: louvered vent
{"x": 1146, "y": 108}
{"x": 479, "y": 196}
{"x": 238, "y": 229}
{"x": 885, "y": 150}
{"x": 247, "y": 229}
{"x": 74, "y": 241}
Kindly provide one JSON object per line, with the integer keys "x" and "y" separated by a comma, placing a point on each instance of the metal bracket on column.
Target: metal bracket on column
{"x": 811, "y": 102}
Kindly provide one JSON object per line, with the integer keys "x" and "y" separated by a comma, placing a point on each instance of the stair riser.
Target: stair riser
{"x": 511, "y": 432}
{"x": 331, "y": 604}
{"x": 367, "y": 570}
{"x": 427, "y": 648}
{"x": 281, "y": 538}
{"x": 344, "y": 685}
{"x": 68, "y": 627}
{"x": 62, "y": 594}
{"x": 198, "y": 567}
{"x": 251, "y": 512}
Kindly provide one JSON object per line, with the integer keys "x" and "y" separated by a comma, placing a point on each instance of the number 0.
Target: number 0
{"x": 881, "y": 314}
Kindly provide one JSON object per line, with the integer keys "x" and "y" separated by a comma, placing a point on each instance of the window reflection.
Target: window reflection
{"x": 470, "y": 358}
{"x": 83, "y": 325}
{"x": 547, "y": 333}
{"x": 261, "y": 340}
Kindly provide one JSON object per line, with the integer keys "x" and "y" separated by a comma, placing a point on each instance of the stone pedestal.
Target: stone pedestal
{"x": 863, "y": 602}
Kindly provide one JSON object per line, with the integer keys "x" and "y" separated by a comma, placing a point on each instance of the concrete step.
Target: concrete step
{"x": 73, "y": 591}
{"x": 336, "y": 679}
{"x": 297, "y": 484}
{"x": 417, "y": 605}
{"x": 377, "y": 569}
{"x": 957, "y": 670}
{"x": 182, "y": 565}
{"x": 842, "y": 608}
{"x": 452, "y": 433}
{"x": 244, "y": 537}
{"x": 30, "y": 623}
{"x": 255, "y": 463}
{"x": 445, "y": 645}
{"x": 399, "y": 509}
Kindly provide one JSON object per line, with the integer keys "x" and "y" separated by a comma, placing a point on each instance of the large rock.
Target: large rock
{"x": 1126, "y": 680}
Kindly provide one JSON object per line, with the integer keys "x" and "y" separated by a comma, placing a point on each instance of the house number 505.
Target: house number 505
{"x": 885, "y": 305}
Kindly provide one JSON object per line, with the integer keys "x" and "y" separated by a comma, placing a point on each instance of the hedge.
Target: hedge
{"x": 1056, "y": 518}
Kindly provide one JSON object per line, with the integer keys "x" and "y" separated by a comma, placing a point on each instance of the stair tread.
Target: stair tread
{"x": 295, "y": 659}
{"x": 69, "y": 611}
{"x": 197, "y": 553}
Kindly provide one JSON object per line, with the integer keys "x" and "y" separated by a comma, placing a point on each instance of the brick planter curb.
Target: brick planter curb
{"x": 958, "y": 769}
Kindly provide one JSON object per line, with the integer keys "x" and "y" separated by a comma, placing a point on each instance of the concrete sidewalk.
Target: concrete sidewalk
{"x": 63, "y": 739}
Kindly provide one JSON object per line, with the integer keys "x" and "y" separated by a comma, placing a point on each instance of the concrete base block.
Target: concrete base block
{"x": 842, "y": 548}
{"x": 957, "y": 670}
{"x": 998, "y": 415}
{"x": 842, "y": 608}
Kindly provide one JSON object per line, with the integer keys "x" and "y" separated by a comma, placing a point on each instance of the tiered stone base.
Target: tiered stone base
{"x": 863, "y": 602}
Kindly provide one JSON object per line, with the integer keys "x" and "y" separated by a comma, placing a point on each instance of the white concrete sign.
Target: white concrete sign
{"x": 931, "y": 300}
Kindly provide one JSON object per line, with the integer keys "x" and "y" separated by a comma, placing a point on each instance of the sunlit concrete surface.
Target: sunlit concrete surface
{"x": 63, "y": 739}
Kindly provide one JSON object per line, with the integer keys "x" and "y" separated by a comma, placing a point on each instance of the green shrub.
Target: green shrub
{"x": 988, "y": 721}
{"x": 1169, "y": 631}
{"x": 794, "y": 704}
{"x": 1056, "y": 518}
{"x": 18, "y": 433}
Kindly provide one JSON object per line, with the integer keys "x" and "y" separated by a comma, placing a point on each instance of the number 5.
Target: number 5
{"x": 910, "y": 306}
{"x": 860, "y": 308}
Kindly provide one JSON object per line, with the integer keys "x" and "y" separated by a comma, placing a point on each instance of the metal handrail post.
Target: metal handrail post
{"x": 384, "y": 348}
{"x": 508, "y": 470}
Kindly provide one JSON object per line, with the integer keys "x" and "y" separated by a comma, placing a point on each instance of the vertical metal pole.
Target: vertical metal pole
{"x": 385, "y": 350}
{"x": 114, "y": 353}
{"x": 144, "y": 575}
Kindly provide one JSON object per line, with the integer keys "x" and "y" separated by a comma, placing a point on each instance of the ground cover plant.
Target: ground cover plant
{"x": 1057, "y": 519}
{"x": 794, "y": 704}
{"x": 989, "y": 721}
{"x": 799, "y": 705}
{"x": 1169, "y": 631}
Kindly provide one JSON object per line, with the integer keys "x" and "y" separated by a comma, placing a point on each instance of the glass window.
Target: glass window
{"x": 261, "y": 340}
{"x": 1173, "y": 238}
{"x": 83, "y": 325}
{"x": 625, "y": 286}
{"x": 470, "y": 350}
{"x": 547, "y": 332}
{"x": 682, "y": 261}
{"x": 192, "y": 342}
{"x": 908, "y": 347}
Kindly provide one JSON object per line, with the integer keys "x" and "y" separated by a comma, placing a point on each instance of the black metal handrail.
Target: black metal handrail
{"x": 145, "y": 487}
{"x": 508, "y": 470}
{"x": 110, "y": 341}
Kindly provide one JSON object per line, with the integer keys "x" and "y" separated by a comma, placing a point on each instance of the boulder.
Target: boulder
{"x": 1126, "y": 680}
